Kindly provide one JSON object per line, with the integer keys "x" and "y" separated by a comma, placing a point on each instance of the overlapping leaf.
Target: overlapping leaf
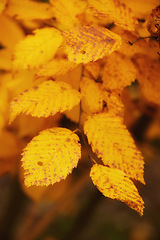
{"x": 114, "y": 104}
{"x": 115, "y": 184}
{"x": 65, "y": 13}
{"x": 28, "y": 9}
{"x": 92, "y": 69}
{"x": 10, "y": 32}
{"x": 111, "y": 141}
{"x": 89, "y": 43}
{"x": 92, "y": 96}
{"x": 118, "y": 72}
{"x": 56, "y": 67}
{"x": 115, "y": 10}
{"x": 3, "y": 105}
{"x": 37, "y": 49}
{"x": 45, "y": 100}
{"x": 50, "y": 156}
{"x": 148, "y": 76}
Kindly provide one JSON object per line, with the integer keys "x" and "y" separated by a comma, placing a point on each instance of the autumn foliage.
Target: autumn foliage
{"x": 76, "y": 58}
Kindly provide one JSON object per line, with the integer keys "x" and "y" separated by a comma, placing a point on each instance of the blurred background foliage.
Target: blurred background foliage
{"x": 74, "y": 208}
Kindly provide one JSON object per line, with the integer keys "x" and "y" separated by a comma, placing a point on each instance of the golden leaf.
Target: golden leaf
{"x": 10, "y": 32}
{"x": 111, "y": 141}
{"x": 92, "y": 96}
{"x": 72, "y": 78}
{"x": 148, "y": 76}
{"x": 114, "y": 183}
{"x": 28, "y": 9}
{"x": 141, "y": 8}
{"x": 45, "y": 100}
{"x": 119, "y": 72}
{"x": 92, "y": 70}
{"x": 5, "y": 59}
{"x": 115, "y": 10}
{"x": 50, "y": 156}
{"x": 3, "y": 105}
{"x": 65, "y": 13}
{"x": 143, "y": 46}
{"x": 89, "y": 43}
{"x": 37, "y": 49}
{"x": 56, "y": 67}
{"x": 2, "y": 5}
{"x": 114, "y": 104}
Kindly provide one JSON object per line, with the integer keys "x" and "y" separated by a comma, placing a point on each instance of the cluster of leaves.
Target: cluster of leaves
{"x": 68, "y": 57}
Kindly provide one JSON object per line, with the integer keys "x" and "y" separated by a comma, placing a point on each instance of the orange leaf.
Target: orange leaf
{"x": 148, "y": 76}
{"x": 89, "y": 43}
{"x": 114, "y": 183}
{"x": 118, "y": 72}
{"x": 115, "y": 10}
{"x": 2, "y": 5}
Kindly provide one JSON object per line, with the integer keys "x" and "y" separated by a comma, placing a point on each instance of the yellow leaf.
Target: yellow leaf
{"x": 92, "y": 96}
{"x": 28, "y": 9}
{"x": 56, "y": 67}
{"x": 148, "y": 77}
{"x": 18, "y": 82}
{"x": 92, "y": 70}
{"x": 2, "y": 5}
{"x": 114, "y": 104}
{"x": 114, "y": 183}
{"x": 3, "y": 106}
{"x": 111, "y": 141}
{"x": 5, "y": 59}
{"x": 73, "y": 114}
{"x": 10, "y": 32}
{"x": 115, "y": 10}
{"x": 45, "y": 100}
{"x": 37, "y": 49}
{"x": 118, "y": 72}
{"x": 72, "y": 78}
{"x": 89, "y": 43}
{"x": 65, "y": 13}
{"x": 50, "y": 156}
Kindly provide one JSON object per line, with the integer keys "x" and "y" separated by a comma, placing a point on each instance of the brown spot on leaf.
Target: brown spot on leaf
{"x": 40, "y": 163}
{"x": 35, "y": 87}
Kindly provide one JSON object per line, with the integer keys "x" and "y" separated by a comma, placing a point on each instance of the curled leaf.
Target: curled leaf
{"x": 50, "y": 156}
{"x": 89, "y": 43}
{"x": 114, "y": 183}
{"x": 45, "y": 100}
